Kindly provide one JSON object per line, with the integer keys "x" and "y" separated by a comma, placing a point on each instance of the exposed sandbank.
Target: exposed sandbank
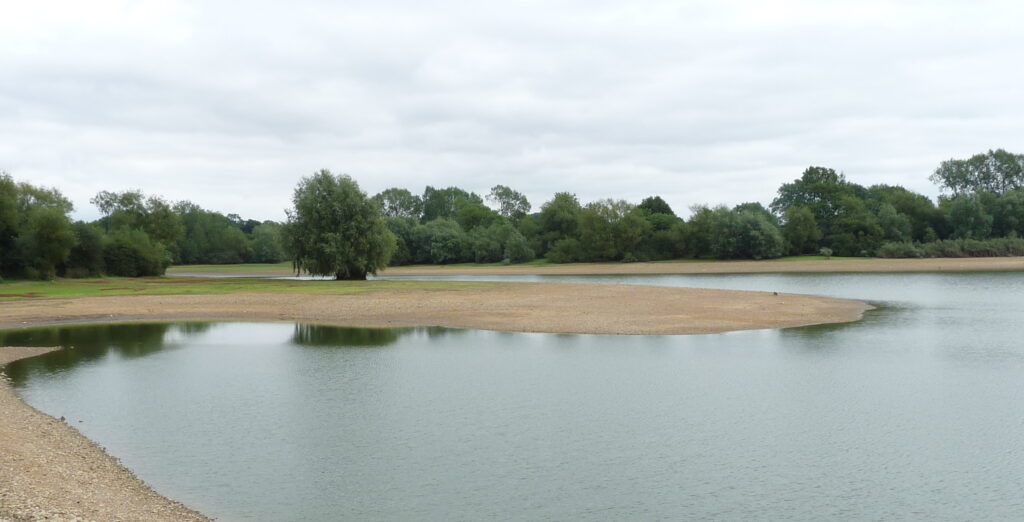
{"x": 515, "y": 307}
{"x": 50, "y": 471}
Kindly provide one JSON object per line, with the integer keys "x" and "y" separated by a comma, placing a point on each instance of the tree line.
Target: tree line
{"x": 336, "y": 229}
{"x": 136, "y": 235}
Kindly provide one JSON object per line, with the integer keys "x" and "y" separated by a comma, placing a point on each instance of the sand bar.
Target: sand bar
{"x": 513, "y": 307}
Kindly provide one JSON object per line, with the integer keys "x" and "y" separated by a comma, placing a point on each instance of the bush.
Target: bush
{"x": 565, "y": 251}
{"x": 1000, "y": 247}
{"x": 131, "y": 253}
{"x": 899, "y": 249}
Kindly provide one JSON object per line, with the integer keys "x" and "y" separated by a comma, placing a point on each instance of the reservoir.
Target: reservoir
{"x": 914, "y": 413}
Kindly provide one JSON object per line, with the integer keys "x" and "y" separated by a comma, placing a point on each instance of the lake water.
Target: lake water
{"x": 914, "y": 413}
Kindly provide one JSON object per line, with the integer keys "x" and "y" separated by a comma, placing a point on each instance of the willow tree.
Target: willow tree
{"x": 335, "y": 230}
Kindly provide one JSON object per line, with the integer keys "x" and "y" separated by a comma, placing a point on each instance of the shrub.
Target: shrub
{"x": 131, "y": 253}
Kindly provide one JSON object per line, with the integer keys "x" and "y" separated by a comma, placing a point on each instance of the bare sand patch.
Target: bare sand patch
{"x": 515, "y": 307}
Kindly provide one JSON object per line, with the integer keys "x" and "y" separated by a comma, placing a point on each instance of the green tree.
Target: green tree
{"x": 819, "y": 189}
{"x": 8, "y": 222}
{"x": 895, "y": 226}
{"x": 856, "y": 231}
{"x": 266, "y": 243}
{"x": 994, "y": 171}
{"x": 399, "y": 202}
{"x": 967, "y": 217}
{"x": 333, "y": 229}
{"x": 86, "y": 257}
{"x": 558, "y": 220}
{"x": 474, "y": 215}
{"x": 512, "y": 205}
{"x": 130, "y": 252}
{"x": 133, "y": 210}
{"x": 444, "y": 241}
{"x": 800, "y": 230}
{"x": 656, "y": 205}
{"x": 919, "y": 209}
{"x": 45, "y": 240}
{"x": 444, "y": 203}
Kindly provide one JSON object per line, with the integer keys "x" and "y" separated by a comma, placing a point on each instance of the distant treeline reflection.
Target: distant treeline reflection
{"x": 83, "y": 343}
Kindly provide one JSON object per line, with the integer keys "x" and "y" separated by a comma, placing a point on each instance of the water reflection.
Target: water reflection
{"x": 312, "y": 335}
{"x": 82, "y": 344}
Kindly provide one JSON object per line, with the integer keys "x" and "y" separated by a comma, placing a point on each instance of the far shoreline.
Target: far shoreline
{"x": 810, "y": 265}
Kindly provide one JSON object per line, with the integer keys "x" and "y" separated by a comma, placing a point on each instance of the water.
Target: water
{"x": 914, "y": 413}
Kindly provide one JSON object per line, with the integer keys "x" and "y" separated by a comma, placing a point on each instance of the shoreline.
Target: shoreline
{"x": 50, "y": 471}
{"x": 770, "y": 266}
{"x": 807, "y": 266}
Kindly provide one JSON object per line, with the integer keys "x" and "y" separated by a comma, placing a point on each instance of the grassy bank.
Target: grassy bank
{"x": 118, "y": 286}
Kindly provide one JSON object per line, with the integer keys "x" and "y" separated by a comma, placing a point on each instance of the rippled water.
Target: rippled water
{"x": 917, "y": 412}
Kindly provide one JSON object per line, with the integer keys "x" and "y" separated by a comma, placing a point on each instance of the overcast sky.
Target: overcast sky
{"x": 229, "y": 104}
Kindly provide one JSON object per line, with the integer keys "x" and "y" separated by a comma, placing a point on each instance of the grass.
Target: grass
{"x": 115, "y": 286}
{"x": 285, "y": 266}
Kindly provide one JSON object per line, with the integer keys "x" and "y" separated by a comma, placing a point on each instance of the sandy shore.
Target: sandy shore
{"x": 846, "y": 265}
{"x": 515, "y": 307}
{"x": 49, "y": 471}
{"x": 970, "y": 264}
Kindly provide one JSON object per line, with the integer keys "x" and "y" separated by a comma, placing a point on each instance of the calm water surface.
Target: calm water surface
{"x": 917, "y": 412}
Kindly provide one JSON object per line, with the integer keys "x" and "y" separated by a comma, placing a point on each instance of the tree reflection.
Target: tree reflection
{"x": 327, "y": 336}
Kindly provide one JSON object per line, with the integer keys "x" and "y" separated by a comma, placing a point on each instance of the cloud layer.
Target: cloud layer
{"x": 700, "y": 102}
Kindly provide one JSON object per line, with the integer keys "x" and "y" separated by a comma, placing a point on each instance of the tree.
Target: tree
{"x": 800, "y": 230}
{"x": 856, "y": 231}
{"x": 919, "y": 209}
{"x": 333, "y": 229}
{"x": 558, "y": 219}
{"x": 656, "y": 205}
{"x": 45, "y": 240}
{"x": 819, "y": 189}
{"x": 511, "y": 204}
{"x": 473, "y": 215}
{"x": 994, "y": 171}
{"x": 895, "y": 226}
{"x": 399, "y": 202}
{"x": 86, "y": 257}
{"x": 133, "y": 210}
{"x": 967, "y": 217}
{"x": 266, "y": 243}
{"x": 445, "y": 203}
{"x": 8, "y": 221}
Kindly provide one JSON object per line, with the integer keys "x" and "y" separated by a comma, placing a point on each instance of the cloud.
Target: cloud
{"x": 700, "y": 102}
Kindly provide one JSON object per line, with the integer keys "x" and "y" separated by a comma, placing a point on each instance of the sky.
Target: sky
{"x": 230, "y": 104}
